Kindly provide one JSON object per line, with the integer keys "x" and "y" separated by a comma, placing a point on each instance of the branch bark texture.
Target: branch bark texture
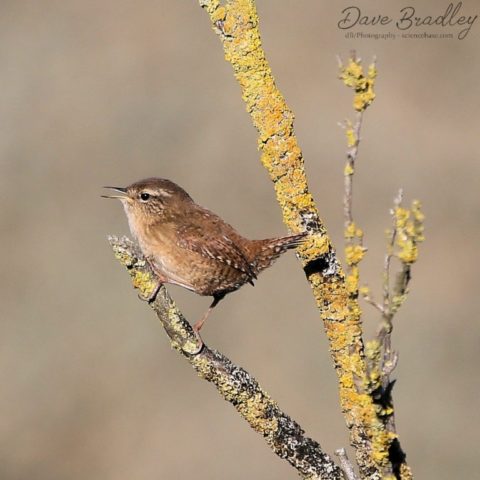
{"x": 283, "y": 435}
{"x": 236, "y": 23}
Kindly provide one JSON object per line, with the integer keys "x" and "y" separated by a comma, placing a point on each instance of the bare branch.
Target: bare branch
{"x": 367, "y": 296}
{"x": 352, "y": 154}
{"x": 346, "y": 465}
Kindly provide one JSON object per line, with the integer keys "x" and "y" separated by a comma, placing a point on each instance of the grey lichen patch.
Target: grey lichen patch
{"x": 284, "y": 436}
{"x": 177, "y": 327}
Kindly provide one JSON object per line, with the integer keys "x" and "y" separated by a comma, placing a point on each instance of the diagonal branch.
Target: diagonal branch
{"x": 236, "y": 23}
{"x": 283, "y": 435}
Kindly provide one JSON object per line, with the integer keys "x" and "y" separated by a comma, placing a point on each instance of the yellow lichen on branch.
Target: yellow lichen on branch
{"x": 236, "y": 23}
{"x": 380, "y": 359}
{"x": 409, "y": 226}
{"x": 402, "y": 242}
{"x": 354, "y": 77}
{"x": 283, "y": 435}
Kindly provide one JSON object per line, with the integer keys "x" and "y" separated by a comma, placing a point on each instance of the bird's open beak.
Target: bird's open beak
{"x": 117, "y": 189}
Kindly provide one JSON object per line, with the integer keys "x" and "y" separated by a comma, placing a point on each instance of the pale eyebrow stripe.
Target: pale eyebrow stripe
{"x": 154, "y": 192}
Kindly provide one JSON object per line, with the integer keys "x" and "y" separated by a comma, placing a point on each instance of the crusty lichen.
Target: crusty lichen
{"x": 363, "y": 84}
{"x": 141, "y": 279}
{"x": 409, "y": 232}
{"x": 351, "y": 136}
{"x": 284, "y": 436}
{"x": 262, "y": 413}
{"x": 403, "y": 240}
{"x": 236, "y": 22}
{"x": 254, "y": 405}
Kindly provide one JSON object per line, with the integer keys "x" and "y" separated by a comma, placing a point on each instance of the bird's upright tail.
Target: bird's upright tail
{"x": 265, "y": 252}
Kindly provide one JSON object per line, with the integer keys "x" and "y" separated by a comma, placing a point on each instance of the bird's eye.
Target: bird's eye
{"x": 144, "y": 196}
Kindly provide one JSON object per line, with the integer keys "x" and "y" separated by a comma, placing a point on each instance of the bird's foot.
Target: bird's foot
{"x": 152, "y": 296}
{"x": 200, "y": 343}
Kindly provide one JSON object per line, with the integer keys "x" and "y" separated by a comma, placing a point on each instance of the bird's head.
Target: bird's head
{"x": 148, "y": 200}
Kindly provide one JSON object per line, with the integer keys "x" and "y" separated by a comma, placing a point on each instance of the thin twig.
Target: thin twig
{"x": 346, "y": 464}
{"x": 352, "y": 154}
{"x": 369, "y": 299}
{"x": 385, "y": 331}
{"x": 388, "y": 257}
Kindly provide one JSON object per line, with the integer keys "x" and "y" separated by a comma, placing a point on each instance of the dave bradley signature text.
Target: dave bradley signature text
{"x": 408, "y": 18}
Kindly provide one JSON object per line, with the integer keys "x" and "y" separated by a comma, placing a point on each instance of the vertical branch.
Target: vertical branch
{"x": 391, "y": 237}
{"x": 354, "y": 250}
{"x": 402, "y": 243}
{"x": 353, "y": 138}
{"x": 380, "y": 358}
{"x": 353, "y": 76}
{"x": 384, "y": 335}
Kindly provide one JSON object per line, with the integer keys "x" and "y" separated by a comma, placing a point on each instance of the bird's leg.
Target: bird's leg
{"x": 199, "y": 324}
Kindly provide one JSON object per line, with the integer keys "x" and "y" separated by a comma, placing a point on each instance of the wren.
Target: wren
{"x": 188, "y": 245}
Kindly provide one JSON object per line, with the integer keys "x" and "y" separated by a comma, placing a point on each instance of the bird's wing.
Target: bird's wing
{"x": 208, "y": 235}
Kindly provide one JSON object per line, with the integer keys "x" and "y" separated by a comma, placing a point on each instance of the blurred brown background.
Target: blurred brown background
{"x": 100, "y": 92}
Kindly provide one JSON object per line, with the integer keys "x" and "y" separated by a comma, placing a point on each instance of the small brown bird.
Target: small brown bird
{"x": 187, "y": 245}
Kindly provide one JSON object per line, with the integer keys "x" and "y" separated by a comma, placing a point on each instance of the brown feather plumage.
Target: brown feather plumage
{"x": 190, "y": 246}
